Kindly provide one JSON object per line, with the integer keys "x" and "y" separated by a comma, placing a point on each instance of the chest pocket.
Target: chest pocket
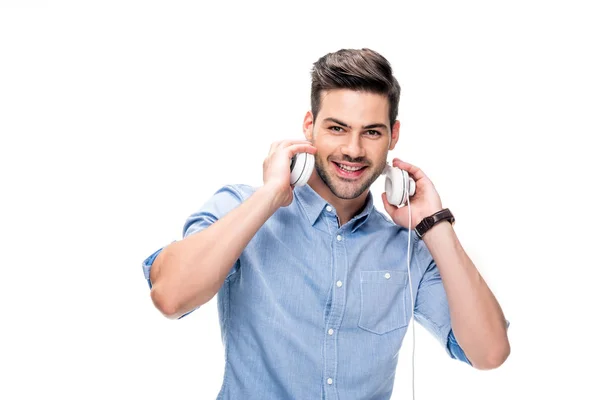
{"x": 384, "y": 301}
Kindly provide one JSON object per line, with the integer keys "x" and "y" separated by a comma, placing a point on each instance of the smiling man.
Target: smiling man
{"x": 312, "y": 282}
{"x": 353, "y": 133}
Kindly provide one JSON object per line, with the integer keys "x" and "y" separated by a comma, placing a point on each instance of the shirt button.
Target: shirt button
{"x": 387, "y": 275}
{"x": 330, "y": 332}
{"x": 328, "y": 208}
{"x": 339, "y": 237}
{"x": 330, "y": 381}
{"x": 339, "y": 283}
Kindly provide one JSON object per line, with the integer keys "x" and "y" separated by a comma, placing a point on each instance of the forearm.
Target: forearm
{"x": 189, "y": 272}
{"x": 477, "y": 319}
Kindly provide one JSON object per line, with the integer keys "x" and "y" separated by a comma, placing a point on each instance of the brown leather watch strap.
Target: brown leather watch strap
{"x": 428, "y": 222}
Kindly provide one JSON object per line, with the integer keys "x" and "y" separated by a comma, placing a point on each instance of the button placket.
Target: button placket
{"x": 338, "y": 303}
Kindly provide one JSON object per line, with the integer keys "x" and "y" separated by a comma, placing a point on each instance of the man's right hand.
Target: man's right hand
{"x": 276, "y": 167}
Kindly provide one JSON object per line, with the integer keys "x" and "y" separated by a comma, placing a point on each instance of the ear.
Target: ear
{"x": 395, "y": 135}
{"x": 307, "y": 126}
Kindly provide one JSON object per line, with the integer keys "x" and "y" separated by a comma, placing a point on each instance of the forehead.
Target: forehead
{"x": 354, "y": 107}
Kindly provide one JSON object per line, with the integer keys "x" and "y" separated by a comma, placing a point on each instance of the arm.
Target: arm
{"x": 189, "y": 272}
{"x": 460, "y": 303}
{"x": 477, "y": 319}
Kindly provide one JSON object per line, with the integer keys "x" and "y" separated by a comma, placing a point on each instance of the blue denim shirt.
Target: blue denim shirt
{"x": 311, "y": 310}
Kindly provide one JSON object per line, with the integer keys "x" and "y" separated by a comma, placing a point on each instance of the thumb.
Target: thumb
{"x": 388, "y": 207}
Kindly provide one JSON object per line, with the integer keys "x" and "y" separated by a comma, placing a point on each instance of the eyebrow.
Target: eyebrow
{"x": 371, "y": 126}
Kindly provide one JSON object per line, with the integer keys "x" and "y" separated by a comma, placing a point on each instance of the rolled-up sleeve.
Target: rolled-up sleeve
{"x": 220, "y": 203}
{"x": 147, "y": 265}
{"x": 431, "y": 306}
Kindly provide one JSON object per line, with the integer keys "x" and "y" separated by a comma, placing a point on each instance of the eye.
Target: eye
{"x": 336, "y": 128}
{"x": 372, "y": 132}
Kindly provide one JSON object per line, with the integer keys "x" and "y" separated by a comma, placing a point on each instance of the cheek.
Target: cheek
{"x": 324, "y": 147}
{"x": 380, "y": 149}
{"x": 323, "y": 156}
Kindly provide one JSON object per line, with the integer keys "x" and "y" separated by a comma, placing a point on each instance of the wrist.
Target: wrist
{"x": 427, "y": 213}
{"x": 274, "y": 195}
{"x": 432, "y": 220}
{"x": 442, "y": 228}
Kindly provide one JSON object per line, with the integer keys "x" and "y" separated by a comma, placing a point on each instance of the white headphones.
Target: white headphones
{"x": 398, "y": 184}
{"x": 301, "y": 167}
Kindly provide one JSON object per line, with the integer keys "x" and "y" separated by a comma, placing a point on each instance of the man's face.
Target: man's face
{"x": 352, "y": 135}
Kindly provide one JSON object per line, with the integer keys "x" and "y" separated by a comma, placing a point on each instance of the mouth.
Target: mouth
{"x": 349, "y": 170}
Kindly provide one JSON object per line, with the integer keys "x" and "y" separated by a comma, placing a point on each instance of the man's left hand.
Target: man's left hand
{"x": 423, "y": 203}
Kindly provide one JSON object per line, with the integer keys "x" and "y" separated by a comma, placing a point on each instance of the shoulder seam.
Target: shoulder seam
{"x": 234, "y": 188}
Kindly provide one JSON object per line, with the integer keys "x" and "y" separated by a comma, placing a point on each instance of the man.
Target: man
{"x": 312, "y": 281}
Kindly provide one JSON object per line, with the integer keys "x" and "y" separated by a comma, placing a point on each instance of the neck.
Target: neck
{"x": 346, "y": 209}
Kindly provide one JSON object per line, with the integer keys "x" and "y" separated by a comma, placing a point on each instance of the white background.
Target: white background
{"x": 119, "y": 119}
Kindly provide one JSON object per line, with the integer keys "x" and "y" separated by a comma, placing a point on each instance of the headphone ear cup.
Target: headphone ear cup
{"x": 412, "y": 186}
{"x": 405, "y": 187}
{"x": 301, "y": 168}
{"x": 394, "y": 186}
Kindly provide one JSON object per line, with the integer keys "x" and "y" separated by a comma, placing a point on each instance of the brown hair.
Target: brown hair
{"x": 364, "y": 70}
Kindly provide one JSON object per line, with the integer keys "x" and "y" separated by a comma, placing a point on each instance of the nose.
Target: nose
{"x": 353, "y": 148}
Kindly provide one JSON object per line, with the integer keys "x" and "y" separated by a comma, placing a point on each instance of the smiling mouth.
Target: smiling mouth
{"x": 345, "y": 170}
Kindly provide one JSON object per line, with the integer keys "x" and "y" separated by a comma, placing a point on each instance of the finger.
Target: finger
{"x": 288, "y": 142}
{"x": 300, "y": 148}
{"x": 411, "y": 169}
{"x": 274, "y": 147}
{"x": 388, "y": 207}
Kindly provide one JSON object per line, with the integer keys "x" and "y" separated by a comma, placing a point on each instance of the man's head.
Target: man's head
{"x": 352, "y": 122}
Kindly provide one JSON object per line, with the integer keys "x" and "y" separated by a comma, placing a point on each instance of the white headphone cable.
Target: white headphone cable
{"x": 412, "y": 309}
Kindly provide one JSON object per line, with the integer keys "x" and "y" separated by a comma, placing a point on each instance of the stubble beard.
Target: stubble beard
{"x": 343, "y": 189}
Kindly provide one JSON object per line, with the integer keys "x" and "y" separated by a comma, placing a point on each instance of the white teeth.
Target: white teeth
{"x": 348, "y": 168}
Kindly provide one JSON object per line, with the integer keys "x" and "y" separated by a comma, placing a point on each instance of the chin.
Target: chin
{"x": 347, "y": 188}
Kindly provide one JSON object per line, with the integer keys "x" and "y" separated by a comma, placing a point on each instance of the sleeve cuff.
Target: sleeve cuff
{"x": 454, "y": 349}
{"x": 147, "y": 265}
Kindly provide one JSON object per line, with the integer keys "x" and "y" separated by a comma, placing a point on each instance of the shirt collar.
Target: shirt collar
{"x": 313, "y": 205}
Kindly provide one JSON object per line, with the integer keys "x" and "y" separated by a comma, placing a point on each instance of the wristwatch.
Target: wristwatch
{"x": 428, "y": 222}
